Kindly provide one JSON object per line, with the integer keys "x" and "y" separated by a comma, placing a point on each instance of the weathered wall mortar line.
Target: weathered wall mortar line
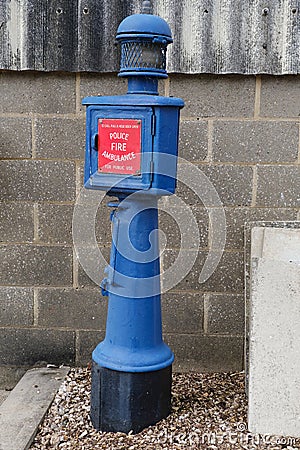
{"x": 78, "y": 97}
{"x": 167, "y": 87}
{"x": 205, "y": 313}
{"x": 257, "y": 97}
{"x": 254, "y": 186}
{"x": 210, "y": 131}
{"x": 234, "y": 118}
{"x": 35, "y": 223}
{"x": 33, "y": 138}
{"x": 77, "y": 348}
{"x": 30, "y": 202}
{"x": 29, "y": 115}
{"x": 75, "y": 270}
{"x": 35, "y": 308}
{"x": 34, "y": 244}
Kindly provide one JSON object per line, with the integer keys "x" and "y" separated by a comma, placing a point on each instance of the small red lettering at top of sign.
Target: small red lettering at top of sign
{"x": 119, "y": 146}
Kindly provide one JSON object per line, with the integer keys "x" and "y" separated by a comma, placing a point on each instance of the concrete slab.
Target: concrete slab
{"x": 274, "y": 339}
{"x": 25, "y": 407}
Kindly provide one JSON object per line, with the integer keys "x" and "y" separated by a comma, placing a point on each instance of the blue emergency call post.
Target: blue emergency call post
{"x": 131, "y": 152}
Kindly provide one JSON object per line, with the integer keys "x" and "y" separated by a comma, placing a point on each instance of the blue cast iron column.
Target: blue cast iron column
{"x": 131, "y": 152}
{"x": 133, "y": 340}
{"x": 131, "y": 381}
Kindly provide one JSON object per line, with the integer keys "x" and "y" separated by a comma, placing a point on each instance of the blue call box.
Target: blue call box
{"x": 131, "y": 143}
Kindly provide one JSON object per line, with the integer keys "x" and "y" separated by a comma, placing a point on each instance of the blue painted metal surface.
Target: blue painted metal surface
{"x": 160, "y": 128}
{"x": 133, "y": 341}
{"x": 145, "y": 26}
{"x": 143, "y": 126}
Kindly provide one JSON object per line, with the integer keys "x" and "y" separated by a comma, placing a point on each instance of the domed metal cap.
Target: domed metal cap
{"x": 144, "y": 39}
{"x": 144, "y": 25}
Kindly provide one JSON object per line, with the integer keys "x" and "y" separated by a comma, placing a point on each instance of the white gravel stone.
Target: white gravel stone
{"x": 208, "y": 412}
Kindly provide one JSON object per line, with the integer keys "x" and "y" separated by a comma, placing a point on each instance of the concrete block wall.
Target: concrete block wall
{"x": 242, "y": 132}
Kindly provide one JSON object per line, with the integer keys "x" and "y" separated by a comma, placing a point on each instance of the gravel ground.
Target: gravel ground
{"x": 208, "y": 412}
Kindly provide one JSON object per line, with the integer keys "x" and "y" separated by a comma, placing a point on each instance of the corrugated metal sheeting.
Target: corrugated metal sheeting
{"x": 210, "y": 36}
